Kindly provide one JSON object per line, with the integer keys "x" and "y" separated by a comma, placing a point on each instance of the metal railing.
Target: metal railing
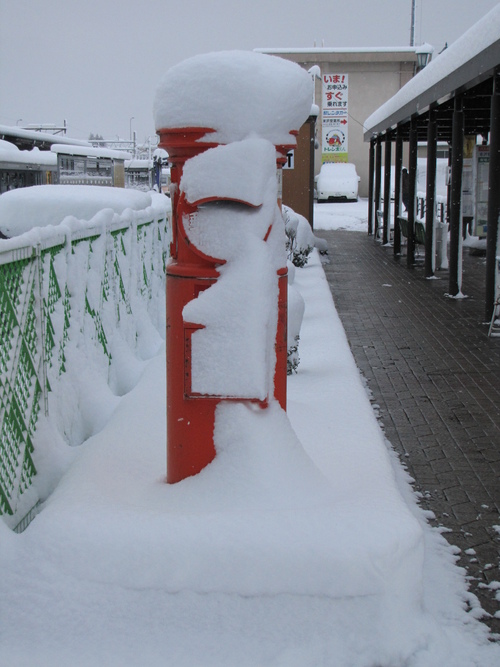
{"x": 72, "y": 284}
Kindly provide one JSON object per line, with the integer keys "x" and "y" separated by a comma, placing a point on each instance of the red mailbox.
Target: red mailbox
{"x": 280, "y": 376}
{"x": 238, "y": 104}
{"x": 190, "y": 415}
{"x": 190, "y": 420}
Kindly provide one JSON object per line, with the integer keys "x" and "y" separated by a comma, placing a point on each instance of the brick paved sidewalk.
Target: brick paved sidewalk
{"x": 435, "y": 376}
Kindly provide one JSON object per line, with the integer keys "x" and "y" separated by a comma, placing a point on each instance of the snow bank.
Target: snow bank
{"x": 261, "y": 559}
{"x": 260, "y": 520}
{"x": 41, "y": 205}
{"x": 262, "y": 94}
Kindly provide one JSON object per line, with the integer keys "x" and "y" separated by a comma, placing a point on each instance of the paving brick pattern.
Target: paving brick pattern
{"x": 434, "y": 377}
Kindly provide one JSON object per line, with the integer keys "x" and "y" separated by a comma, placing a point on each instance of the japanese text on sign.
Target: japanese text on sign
{"x": 335, "y": 117}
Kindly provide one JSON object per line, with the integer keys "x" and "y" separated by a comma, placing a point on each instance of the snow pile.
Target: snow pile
{"x": 269, "y": 96}
{"x": 261, "y": 559}
{"x": 210, "y": 175}
{"x": 43, "y": 205}
{"x": 233, "y": 355}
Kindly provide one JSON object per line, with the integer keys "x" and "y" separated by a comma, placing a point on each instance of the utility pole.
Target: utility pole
{"x": 412, "y": 29}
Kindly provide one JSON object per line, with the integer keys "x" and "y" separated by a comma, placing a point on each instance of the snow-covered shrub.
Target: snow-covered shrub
{"x": 296, "y": 307}
{"x": 301, "y": 240}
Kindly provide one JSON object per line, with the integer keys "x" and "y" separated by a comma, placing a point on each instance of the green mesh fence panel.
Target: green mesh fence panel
{"x": 119, "y": 252}
{"x": 61, "y": 357}
{"x": 18, "y": 376}
{"x": 39, "y": 314}
{"x": 99, "y": 329}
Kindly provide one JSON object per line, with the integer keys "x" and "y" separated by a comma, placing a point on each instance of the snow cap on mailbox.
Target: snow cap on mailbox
{"x": 237, "y": 94}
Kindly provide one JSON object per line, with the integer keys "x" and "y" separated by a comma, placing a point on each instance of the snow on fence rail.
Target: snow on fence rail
{"x": 70, "y": 285}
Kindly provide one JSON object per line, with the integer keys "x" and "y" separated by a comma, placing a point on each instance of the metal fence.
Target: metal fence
{"x": 73, "y": 283}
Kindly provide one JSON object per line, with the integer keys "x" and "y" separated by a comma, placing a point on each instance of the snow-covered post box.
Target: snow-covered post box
{"x": 221, "y": 117}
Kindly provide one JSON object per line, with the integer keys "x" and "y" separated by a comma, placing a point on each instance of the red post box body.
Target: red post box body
{"x": 190, "y": 420}
{"x": 225, "y": 344}
{"x": 191, "y": 416}
{"x": 280, "y": 376}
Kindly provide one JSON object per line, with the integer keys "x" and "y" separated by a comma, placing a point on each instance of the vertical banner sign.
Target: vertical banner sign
{"x": 335, "y": 118}
{"x": 482, "y": 177}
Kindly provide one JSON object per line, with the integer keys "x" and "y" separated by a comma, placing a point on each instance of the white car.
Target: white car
{"x": 337, "y": 180}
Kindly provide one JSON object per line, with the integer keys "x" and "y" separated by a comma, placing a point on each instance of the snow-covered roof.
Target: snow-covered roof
{"x": 10, "y": 153}
{"x": 138, "y": 164}
{"x": 90, "y": 151}
{"x": 346, "y": 49}
{"x": 47, "y": 137}
{"x": 468, "y": 61}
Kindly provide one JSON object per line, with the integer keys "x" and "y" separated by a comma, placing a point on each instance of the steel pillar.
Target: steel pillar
{"x": 387, "y": 189}
{"x": 493, "y": 197}
{"x": 412, "y": 180}
{"x": 378, "y": 171}
{"x": 371, "y": 168}
{"x": 398, "y": 165}
{"x": 457, "y": 151}
{"x": 430, "y": 195}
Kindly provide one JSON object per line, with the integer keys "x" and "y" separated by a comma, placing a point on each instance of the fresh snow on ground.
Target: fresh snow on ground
{"x": 352, "y": 216}
{"x": 300, "y": 545}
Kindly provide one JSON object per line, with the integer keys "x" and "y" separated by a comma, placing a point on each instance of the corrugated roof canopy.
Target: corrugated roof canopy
{"x": 466, "y": 68}
{"x": 28, "y": 139}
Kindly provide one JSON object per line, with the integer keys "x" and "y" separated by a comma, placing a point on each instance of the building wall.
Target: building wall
{"x": 298, "y": 182}
{"x": 374, "y": 77}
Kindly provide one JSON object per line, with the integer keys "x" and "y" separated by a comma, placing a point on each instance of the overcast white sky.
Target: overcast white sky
{"x": 96, "y": 63}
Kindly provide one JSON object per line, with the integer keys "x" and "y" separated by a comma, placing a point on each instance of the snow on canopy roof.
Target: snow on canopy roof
{"x": 10, "y": 153}
{"x": 7, "y": 146}
{"x": 236, "y": 93}
{"x": 90, "y": 151}
{"x": 471, "y": 55}
{"x": 139, "y": 163}
{"x": 8, "y": 130}
{"x": 342, "y": 49}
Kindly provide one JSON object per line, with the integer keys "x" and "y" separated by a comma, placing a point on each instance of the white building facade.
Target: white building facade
{"x": 350, "y": 83}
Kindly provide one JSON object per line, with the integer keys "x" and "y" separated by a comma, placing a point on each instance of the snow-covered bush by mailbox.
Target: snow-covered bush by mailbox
{"x": 221, "y": 117}
{"x": 300, "y": 238}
